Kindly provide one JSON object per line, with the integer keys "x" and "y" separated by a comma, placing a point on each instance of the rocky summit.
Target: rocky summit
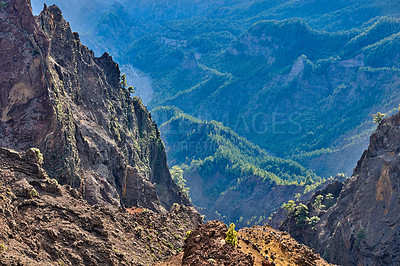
{"x": 57, "y": 96}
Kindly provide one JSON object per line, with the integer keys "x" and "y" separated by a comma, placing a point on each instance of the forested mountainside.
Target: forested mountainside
{"x": 294, "y": 91}
{"x": 225, "y": 175}
{"x": 232, "y": 16}
{"x": 58, "y": 97}
{"x": 359, "y": 223}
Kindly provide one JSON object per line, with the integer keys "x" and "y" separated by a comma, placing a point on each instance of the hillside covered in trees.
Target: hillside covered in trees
{"x": 224, "y": 174}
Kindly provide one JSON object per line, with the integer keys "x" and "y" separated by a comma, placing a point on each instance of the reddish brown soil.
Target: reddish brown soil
{"x": 264, "y": 244}
{"x": 258, "y": 245}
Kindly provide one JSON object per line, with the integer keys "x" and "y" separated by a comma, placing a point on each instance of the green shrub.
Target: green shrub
{"x": 313, "y": 220}
{"x": 231, "y": 235}
{"x": 329, "y": 196}
{"x": 38, "y": 155}
{"x": 33, "y": 193}
{"x": 177, "y": 176}
{"x": 377, "y": 118}
{"x": 289, "y": 207}
{"x": 330, "y": 200}
{"x": 301, "y": 214}
{"x": 318, "y": 202}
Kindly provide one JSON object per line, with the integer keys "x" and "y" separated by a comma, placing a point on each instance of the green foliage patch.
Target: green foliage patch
{"x": 231, "y": 235}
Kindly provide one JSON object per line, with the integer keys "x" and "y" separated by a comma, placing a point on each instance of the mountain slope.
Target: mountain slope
{"x": 251, "y": 66}
{"x": 294, "y": 101}
{"x": 227, "y": 175}
{"x": 58, "y": 97}
{"x": 44, "y": 223}
{"x": 363, "y": 224}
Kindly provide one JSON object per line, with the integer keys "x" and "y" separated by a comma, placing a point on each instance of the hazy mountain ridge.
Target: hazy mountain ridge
{"x": 324, "y": 77}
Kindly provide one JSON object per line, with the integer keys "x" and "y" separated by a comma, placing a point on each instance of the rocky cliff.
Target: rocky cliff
{"x": 57, "y": 96}
{"x": 44, "y": 223}
{"x": 362, "y": 228}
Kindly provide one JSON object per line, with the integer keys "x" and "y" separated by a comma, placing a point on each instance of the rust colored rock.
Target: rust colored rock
{"x": 202, "y": 249}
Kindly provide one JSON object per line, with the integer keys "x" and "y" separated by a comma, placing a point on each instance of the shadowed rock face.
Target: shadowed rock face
{"x": 57, "y": 96}
{"x": 363, "y": 226}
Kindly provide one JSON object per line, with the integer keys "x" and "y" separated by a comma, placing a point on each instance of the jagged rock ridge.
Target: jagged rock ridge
{"x": 57, "y": 96}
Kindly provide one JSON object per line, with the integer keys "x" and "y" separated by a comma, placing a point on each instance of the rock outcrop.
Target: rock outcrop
{"x": 44, "y": 223}
{"x": 55, "y": 95}
{"x": 268, "y": 246}
{"x": 206, "y": 246}
{"x": 362, "y": 228}
{"x": 258, "y": 245}
{"x": 331, "y": 186}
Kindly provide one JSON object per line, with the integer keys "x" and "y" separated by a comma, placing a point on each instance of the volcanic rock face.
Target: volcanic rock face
{"x": 57, "y": 96}
{"x": 362, "y": 228}
{"x": 44, "y": 223}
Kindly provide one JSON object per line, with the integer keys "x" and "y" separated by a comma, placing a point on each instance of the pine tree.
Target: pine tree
{"x": 123, "y": 82}
{"x": 318, "y": 202}
{"x": 378, "y": 117}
